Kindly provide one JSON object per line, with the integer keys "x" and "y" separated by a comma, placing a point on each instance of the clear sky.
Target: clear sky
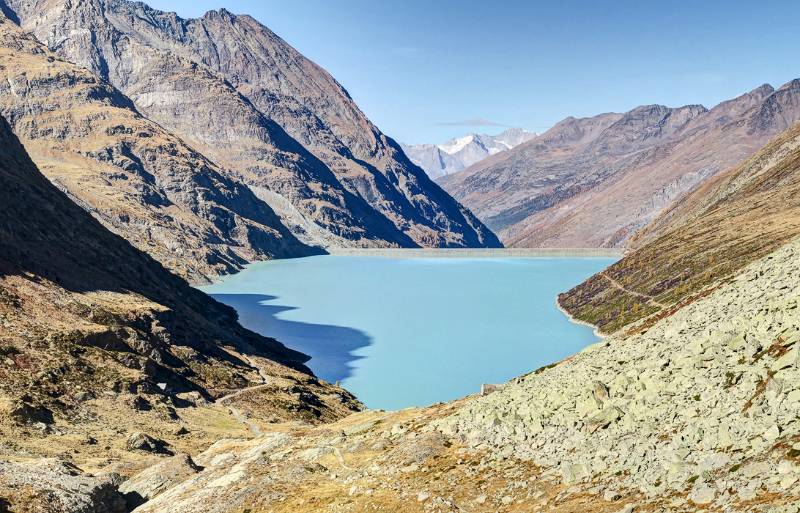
{"x": 428, "y": 70}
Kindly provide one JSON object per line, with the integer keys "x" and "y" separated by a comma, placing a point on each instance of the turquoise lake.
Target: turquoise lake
{"x": 401, "y": 332}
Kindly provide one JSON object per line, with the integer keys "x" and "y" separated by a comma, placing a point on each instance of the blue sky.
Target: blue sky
{"x": 425, "y": 71}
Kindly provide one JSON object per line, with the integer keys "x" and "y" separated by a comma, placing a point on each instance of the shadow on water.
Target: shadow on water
{"x": 331, "y": 347}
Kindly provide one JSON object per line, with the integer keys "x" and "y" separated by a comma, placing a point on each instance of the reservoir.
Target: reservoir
{"x": 411, "y": 331}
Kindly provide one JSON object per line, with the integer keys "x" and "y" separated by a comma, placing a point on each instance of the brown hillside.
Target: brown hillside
{"x": 739, "y": 216}
{"x": 98, "y": 341}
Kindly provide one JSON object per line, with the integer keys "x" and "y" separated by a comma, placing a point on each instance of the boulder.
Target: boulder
{"x": 789, "y": 359}
{"x": 600, "y": 393}
{"x": 703, "y": 494}
{"x": 25, "y": 411}
{"x": 604, "y": 418}
{"x": 143, "y": 442}
{"x": 56, "y": 486}
{"x": 158, "y": 478}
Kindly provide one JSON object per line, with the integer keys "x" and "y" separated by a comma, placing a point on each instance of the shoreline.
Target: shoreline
{"x": 595, "y": 330}
{"x": 479, "y": 252}
{"x": 434, "y": 253}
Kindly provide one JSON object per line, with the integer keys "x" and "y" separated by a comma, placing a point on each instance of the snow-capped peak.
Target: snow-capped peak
{"x": 456, "y": 145}
{"x": 460, "y": 153}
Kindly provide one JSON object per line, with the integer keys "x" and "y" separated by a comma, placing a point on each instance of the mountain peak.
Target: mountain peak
{"x": 764, "y": 89}
{"x": 790, "y": 85}
{"x": 222, "y": 13}
{"x": 438, "y": 160}
{"x": 455, "y": 145}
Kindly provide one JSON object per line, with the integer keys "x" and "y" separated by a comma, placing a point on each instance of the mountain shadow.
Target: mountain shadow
{"x": 331, "y": 347}
{"x": 45, "y": 237}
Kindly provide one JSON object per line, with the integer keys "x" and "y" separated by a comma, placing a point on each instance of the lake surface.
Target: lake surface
{"x": 401, "y": 332}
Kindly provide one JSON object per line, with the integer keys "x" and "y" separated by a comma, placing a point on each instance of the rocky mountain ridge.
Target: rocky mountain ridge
{"x": 141, "y": 181}
{"x": 242, "y": 96}
{"x": 438, "y": 160}
{"x": 594, "y": 182}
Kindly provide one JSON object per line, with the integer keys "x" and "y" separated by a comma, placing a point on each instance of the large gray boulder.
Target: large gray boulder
{"x": 56, "y": 486}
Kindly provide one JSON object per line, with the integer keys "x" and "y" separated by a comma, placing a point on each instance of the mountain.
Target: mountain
{"x": 98, "y": 342}
{"x": 251, "y": 103}
{"x": 594, "y": 181}
{"x": 140, "y": 180}
{"x": 457, "y": 154}
{"x": 709, "y": 234}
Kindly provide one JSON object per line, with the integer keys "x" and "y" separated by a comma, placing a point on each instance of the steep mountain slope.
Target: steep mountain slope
{"x": 458, "y": 154}
{"x": 98, "y": 341}
{"x": 731, "y": 220}
{"x": 231, "y": 87}
{"x": 595, "y": 181}
{"x": 139, "y": 180}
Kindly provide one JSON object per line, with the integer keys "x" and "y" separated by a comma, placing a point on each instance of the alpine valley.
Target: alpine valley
{"x": 143, "y": 154}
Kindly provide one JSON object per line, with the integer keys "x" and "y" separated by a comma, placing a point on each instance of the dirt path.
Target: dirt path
{"x": 235, "y": 412}
{"x": 240, "y": 392}
{"x": 238, "y": 415}
{"x": 619, "y": 286}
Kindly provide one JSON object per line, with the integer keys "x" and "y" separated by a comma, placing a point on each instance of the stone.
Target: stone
{"x": 143, "y": 442}
{"x": 488, "y": 388}
{"x": 139, "y": 403}
{"x": 600, "y": 392}
{"x": 611, "y": 495}
{"x": 47, "y": 484}
{"x": 703, "y": 494}
{"x": 423, "y": 496}
{"x": 575, "y": 472}
{"x": 82, "y": 396}
{"x": 772, "y": 433}
{"x": 604, "y": 418}
{"x": 25, "y": 411}
{"x": 787, "y": 360}
{"x": 156, "y": 479}
{"x": 747, "y": 493}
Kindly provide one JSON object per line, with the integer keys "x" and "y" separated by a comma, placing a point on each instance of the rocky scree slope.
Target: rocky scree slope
{"x": 246, "y": 98}
{"x": 109, "y": 361}
{"x": 731, "y": 220}
{"x": 701, "y": 411}
{"x": 595, "y": 181}
{"x": 139, "y": 180}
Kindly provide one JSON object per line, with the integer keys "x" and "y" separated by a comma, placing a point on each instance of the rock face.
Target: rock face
{"x": 593, "y": 182}
{"x": 438, "y": 160}
{"x": 154, "y": 480}
{"x": 99, "y": 341}
{"x": 733, "y": 219}
{"x": 139, "y": 180}
{"x": 53, "y": 486}
{"x": 702, "y": 411}
{"x": 253, "y": 104}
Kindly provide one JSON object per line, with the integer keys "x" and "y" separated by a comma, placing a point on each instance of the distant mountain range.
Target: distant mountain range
{"x": 229, "y": 145}
{"x": 451, "y": 157}
{"x": 593, "y": 182}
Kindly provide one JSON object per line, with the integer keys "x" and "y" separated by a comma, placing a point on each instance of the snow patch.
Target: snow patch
{"x": 456, "y": 145}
